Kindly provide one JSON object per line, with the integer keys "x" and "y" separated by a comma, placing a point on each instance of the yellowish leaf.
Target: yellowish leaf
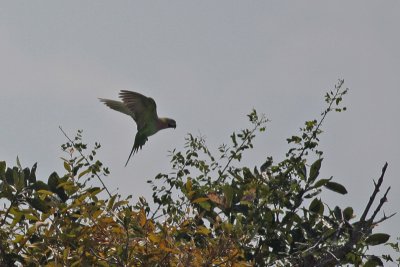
{"x": 107, "y": 220}
{"x": 154, "y": 238}
{"x": 188, "y": 185}
{"x": 142, "y": 217}
{"x": 66, "y": 253}
{"x": 164, "y": 247}
{"x": 200, "y": 199}
{"x": 203, "y": 230}
{"x": 84, "y": 172}
{"x": 97, "y": 213}
{"x": 118, "y": 230}
{"x": 44, "y": 193}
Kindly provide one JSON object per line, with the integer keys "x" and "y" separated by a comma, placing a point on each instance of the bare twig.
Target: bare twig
{"x": 384, "y": 218}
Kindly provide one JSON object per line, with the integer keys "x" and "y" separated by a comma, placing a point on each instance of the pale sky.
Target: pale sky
{"x": 207, "y": 64}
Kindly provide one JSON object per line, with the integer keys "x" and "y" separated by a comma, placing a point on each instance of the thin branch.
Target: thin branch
{"x": 385, "y": 218}
{"x": 238, "y": 149}
{"x": 97, "y": 255}
{"x": 314, "y": 134}
{"x": 154, "y": 217}
{"x": 317, "y": 129}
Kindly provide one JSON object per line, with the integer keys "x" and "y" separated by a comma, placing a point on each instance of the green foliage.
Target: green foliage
{"x": 275, "y": 212}
{"x": 210, "y": 209}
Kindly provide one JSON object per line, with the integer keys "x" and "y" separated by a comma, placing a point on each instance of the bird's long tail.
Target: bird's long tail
{"x": 140, "y": 140}
{"x": 134, "y": 149}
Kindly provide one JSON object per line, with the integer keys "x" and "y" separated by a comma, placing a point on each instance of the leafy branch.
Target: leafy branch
{"x": 93, "y": 167}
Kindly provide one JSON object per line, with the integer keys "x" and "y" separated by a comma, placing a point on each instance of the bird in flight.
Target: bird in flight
{"x": 143, "y": 110}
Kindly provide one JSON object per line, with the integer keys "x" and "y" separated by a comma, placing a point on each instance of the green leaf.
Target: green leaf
{"x": 373, "y": 261}
{"x": 19, "y": 163}
{"x": 247, "y": 175}
{"x": 322, "y": 182}
{"x": 18, "y": 238}
{"x": 31, "y": 217}
{"x": 53, "y": 183}
{"x": 317, "y": 206}
{"x": 266, "y": 164}
{"x": 17, "y": 217}
{"x": 294, "y": 138}
{"x": 205, "y": 205}
{"x": 348, "y": 213}
{"x": 38, "y": 185}
{"x": 110, "y": 204}
{"x": 102, "y": 264}
{"x": 233, "y": 137}
{"x": 18, "y": 178}
{"x": 188, "y": 185}
{"x": 67, "y": 166}
{"x": 228, "y": 193}
{"x": 377, "y": 239}
{"x": 27, "y": 174}
{"x": 120, "y": 203}
{"x": 338, "y": 213}
{"x": 314, "y": 170}
{"x": 44, "y": 193}
{"x": 88, "y": 170}
{"x": 336, "y": 187}
{"x": 10, "y": 176}
{"x": 302, "y": 170}
{"x": 2, "y": 169}
{"x": 94, "y": 191}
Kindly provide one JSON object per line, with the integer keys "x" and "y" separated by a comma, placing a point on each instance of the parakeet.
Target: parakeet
{"x": 143, "y": 110}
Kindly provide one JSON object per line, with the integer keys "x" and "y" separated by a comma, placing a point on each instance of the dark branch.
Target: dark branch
{"x": 376, "y": 190}
{"x": 383, "y": 200}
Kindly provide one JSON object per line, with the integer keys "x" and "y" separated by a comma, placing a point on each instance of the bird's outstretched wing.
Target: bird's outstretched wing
{"x": 118, "y": 106}
{"x": 144, "y": 108}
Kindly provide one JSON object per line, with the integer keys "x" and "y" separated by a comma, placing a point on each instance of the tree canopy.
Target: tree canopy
{"x": 208, "y": 211}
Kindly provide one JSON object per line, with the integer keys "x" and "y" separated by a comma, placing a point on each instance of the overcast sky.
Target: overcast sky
{"x": 207, "y": 64}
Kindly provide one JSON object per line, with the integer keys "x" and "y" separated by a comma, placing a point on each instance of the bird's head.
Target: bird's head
{"x": 164, "y": 123}
{"x": 171, "y": 123}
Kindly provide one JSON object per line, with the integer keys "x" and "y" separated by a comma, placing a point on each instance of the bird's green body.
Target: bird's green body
{"x": 144, "y": 111}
